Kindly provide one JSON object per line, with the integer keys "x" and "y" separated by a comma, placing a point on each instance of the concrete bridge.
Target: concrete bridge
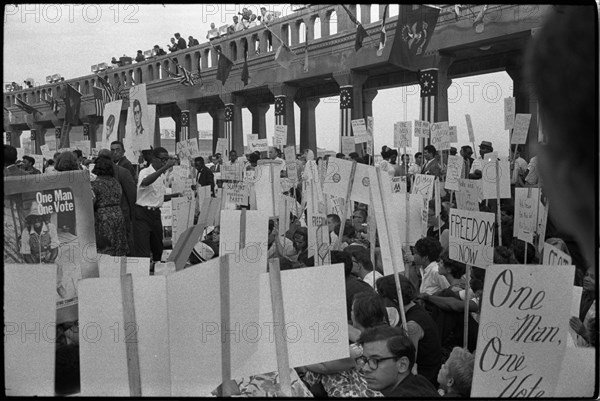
{"x": 455, "y": 50}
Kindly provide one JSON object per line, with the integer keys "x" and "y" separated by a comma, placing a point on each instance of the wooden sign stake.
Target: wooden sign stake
{"x": 131, "y": 343}
{"x": 283, "y": 362}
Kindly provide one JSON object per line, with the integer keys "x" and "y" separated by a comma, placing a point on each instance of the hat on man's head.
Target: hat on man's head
{"x": 486, "y": 144}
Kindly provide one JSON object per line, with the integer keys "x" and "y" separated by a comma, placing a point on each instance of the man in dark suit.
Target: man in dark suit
{"x": 129, "y": 194}
{"x": 204, "y": 177}
{"x": 180, "y": 42}
{"x": 118, "y": 157}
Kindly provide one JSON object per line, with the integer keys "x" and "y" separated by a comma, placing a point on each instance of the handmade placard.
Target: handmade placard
{"x": 453, "y": 172}
{"x": 509, "y": 113}
{"x": 472, "y": 237}
{"x": 469, "y": 194}
{"x": 347, "y": 145}
{"x": 488, "y": 179}
{"x": 524, "y": 323}
{"x": 359, "y": 131}
{"x": 360, "y": 185}
{"x": 403, "y": 134}
{"x": 439, "y": 135}
{"x": 399, "y": 185}
{"x": 280, "y": 135}
{"x": 337, "y": 177}
{"x": 111, "y": 116}
{"x": 520, "y": 129}
{"x": 422, "y": 129}
{"x": 58, "y": 208}
{"x": 555, "y": 257}
{"x": 423, "y": 185}
{"x": 526, "y": 211}
{"x": 260, "y": 145}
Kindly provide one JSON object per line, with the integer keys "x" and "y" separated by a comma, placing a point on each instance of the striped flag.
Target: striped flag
{"x": 229, "y": 125}
{"x": 25, "y": 107}
{"x": 428, "y": 80}
{"x": 98, "y": 100}
{"x": 185, "y": 125}
{"x": 280, "y": 110}
{"x": 345, "y": 112}
{"x": 53, "y": 103}
{"x": 382, "y": 34}
{"x": 361, "y": 33}
{"x": 109, "y": 93}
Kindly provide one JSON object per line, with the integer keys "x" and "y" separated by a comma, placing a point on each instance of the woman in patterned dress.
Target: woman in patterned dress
{"x": 111, "y": 238}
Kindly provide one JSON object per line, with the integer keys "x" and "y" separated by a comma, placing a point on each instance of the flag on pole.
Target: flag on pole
{"x": 185, "y": 125}
{"x": 345, "y": 112}
{"x": 109, "y": 93}
{"x": 414, "y": 29}
{"x": 25, "y": 107}
{"x": 383, "y": 33}
{"x": 283, "y": 56}
{"x": 224, "y": 67}
{"x": 229, "y": 125}
{"x": 428, "y": 80}
{"x": 245, "y": 74}
{"x": 72, "y": 102}
{"x": 361, "y": 33}
{"x": 98, "y": 100}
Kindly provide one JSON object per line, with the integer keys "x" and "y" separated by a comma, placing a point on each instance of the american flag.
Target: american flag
{"x": 280, "y": 110}
{"x": 184, "y": 77}
{"x": 109, "y": 93}
{"x": 428, "y": 80}
{"x": 345, "y": 112}
{"x": 185, "y": 125}
{"x": 229, "y": 125}
{"x": 99, "y": 100}
{"x": 86, "y": 131}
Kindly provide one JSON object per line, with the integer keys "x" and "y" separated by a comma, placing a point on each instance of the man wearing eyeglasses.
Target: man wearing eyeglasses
{"x": 386, "y": 363}
{"x": 147, "y": 225}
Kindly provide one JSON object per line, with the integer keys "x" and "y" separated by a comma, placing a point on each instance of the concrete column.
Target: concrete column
{"x": 237, "y": 132}
{"x": 284, "y": 109}
{"x": 308, "y": 124}
{"x": 15, "y": 137}
{"x": 356, "y": 80}
{"x": 218, "y": 116}
{"x": 259, "y": 123}
{"x": 39, "y": 139}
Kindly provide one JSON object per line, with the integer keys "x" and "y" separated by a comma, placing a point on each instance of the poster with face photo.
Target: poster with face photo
{"x": 112, "y": 115}
{"x": 139, "y": 130}
{"x": 49, "y": 221}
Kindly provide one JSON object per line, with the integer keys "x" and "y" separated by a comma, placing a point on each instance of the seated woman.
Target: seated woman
{"x": 341, "y": 378}
{"x": 456, "y": 374}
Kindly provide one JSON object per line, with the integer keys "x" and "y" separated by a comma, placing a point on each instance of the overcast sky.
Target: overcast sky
{"x": 45, "y": 39}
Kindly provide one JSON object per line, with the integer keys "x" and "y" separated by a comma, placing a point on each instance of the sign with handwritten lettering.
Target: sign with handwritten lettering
{"x": 403, "y": 134}
{"x": 555, "y": 257}
{"x": 318, "y": 239}
{"x": 423, "y": 185}
{"x": 260, "y": 145}
{"x": 439, "y": 135}
{"x": 290, "y": 162}
{"x": 472, "y": 237}
{"x": 523, "y": 330}
{"x": 235, "y": 194}
{"x": 520, "y": 129}
{"x": 280, "y": 136}
{"x": 453, "y": 172}
{"x": 348, "y": 145}
{"x": 526, "y": 208}
{"x": 453, "y": 134}
{"x": 488, "y": 178}
{"x": 399, "y": 185}
{"x": 509, "y": 113}
{"x": 470, "y": 128}
{"x": 469, "y": 194}
{"x": 359, "y": 131}
{"x": 421, "y": 129}
{"x": 187, "y": 148}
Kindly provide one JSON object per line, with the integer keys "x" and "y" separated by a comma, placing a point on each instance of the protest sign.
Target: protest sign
{"x": 553, "y": 256}
{"x": 183, "y": 216}
{"x": 359, "y": 131}
{"x": 46, "y": 152}
{"x": 472, "y": 237}
{"x": 205, "y": 148}
{"x": 205, "y": 134}
{"x": 116, "y": 266}
{"x": 29, "y": 329}
{"x": 470, "y": 128}
{"x": 526, "y": 209}
{"x": 524, "y": 322}
{"x": 469, "y": 194}
{"x": 453, "y": 134}
{"x": 337, "y": 177}
{"x": 453, "y": 172}
{"x": 232, "y": 171}
{"x": 520, "y": 129}
{"x": 403, "y": 134}
{"x": 112, "y": 116}
{"x": 247, "y": 231}
{"x": 63, "y": 203}
{"x": 222, "y": 147}
{"x": 335, "y": 205}
{"x": 388, "y": 227}
{"x": 399, "y": 185}
{"x": 509, "y": 113}
{"x": 187, "y": 148}
{"x": 266, "y": 185}
{"x": 488, "y": 178}
{"x": 260, "y": 145}
{"x": 280, "y": 136}
{"x": 360, "y": 185}
{"x": 290, "y": 162}
{"x": 318, "y": 238}
{"x": 439, "y": 135}
{"x": 235, "y": 194}
{"x": 348, "y": 145}
{"x": 139, "y": 132}
{"x": 421, "y": 129}
{"x": 423, "y": 185}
